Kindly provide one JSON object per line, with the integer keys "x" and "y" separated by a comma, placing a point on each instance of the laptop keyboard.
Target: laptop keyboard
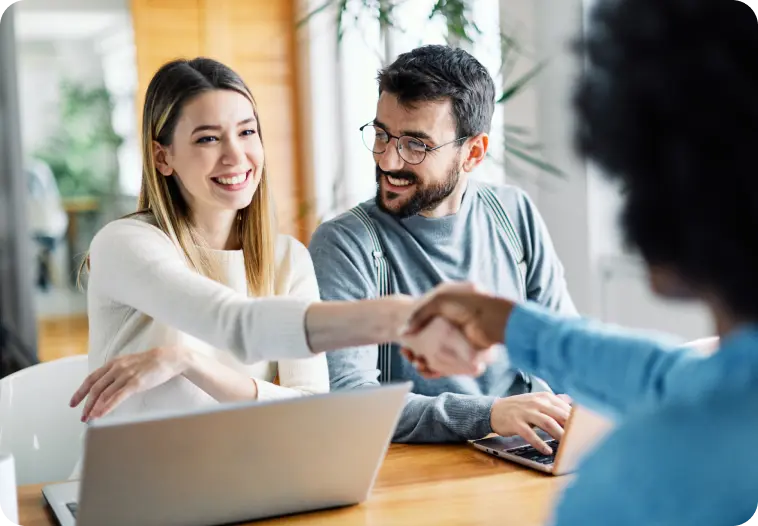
{"x": 72, "y": 507}
{"x": 530, "y": 453}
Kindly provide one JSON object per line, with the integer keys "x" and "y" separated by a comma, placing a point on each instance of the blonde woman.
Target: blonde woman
{"x": 194, "y": 299}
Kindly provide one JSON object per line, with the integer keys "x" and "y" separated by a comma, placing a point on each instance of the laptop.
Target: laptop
{"x": 232, "y": 463}
{"x": 583, "y": 430}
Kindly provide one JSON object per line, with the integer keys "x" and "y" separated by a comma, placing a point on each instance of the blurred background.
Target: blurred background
{"x": 74, "y": 73}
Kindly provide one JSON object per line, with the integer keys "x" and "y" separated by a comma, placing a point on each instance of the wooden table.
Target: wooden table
{"x": 417, "y": 485}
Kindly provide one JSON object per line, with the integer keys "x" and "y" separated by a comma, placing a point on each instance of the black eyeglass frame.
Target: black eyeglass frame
{"x": 427, "y": 148}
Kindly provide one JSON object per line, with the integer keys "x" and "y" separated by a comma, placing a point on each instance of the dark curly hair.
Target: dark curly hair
{"x": 669, "y": 107}
{"x": 435, "y": 73}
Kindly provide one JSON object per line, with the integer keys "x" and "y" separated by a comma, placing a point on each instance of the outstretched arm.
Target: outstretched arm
{"x": 597, "y": 363}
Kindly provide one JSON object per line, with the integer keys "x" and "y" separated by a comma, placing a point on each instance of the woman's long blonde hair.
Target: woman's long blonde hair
{"x": 175, "y": 84}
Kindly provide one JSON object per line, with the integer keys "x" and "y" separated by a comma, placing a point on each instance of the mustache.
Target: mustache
{"x": 405, "y": 176}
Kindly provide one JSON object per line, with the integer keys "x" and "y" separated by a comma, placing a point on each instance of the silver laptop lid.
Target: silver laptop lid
{"x": 239, "y": 461}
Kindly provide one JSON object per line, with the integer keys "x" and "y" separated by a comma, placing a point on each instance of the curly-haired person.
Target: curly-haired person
{"x": 669, "y": 108}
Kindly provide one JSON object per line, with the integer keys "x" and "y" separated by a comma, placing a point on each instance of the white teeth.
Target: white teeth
{"x": 398, "y": 182}
{"x": 237, "y": 179}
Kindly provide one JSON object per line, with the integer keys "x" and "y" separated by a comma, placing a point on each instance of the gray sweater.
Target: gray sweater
{"x": 423, "y": 252}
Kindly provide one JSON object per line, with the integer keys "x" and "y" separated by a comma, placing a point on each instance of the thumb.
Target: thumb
{"x": 420, "y": 318}
{"x": 436, "y": 304}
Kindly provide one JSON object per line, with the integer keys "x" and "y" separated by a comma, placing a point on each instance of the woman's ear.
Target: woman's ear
{"x": 162, "y": 157}
{"x": 477, "y": 151}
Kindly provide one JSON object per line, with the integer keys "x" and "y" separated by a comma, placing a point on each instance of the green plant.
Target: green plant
{"x": 81, "y": 152}
{"x": 461, "y": 29}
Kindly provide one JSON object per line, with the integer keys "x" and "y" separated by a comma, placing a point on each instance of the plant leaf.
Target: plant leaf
{"x": 517, "y": 130}
{"x": 520, "y": 143}
{"x": 534, "y": 161}
{"x": 520, "y": 84}
{"x": 313, "y": 13}
{"x": 341, "y": 11}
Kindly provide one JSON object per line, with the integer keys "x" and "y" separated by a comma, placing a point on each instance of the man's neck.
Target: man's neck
{"x": 450, "y": 205}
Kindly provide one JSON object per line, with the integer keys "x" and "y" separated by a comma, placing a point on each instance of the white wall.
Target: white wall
{"x": 340, "y": 95}
{"x": 564, "y": 203}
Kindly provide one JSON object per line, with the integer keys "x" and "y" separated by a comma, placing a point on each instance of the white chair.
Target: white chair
{"x": 37, "y": 425}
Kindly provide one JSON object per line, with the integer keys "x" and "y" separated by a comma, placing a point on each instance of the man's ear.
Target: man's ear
{"x": 162, "y": 158}
{"x": 477, "y": 151}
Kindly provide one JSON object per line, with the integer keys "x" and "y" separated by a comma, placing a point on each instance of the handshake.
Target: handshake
{"x": 452, "y": 330}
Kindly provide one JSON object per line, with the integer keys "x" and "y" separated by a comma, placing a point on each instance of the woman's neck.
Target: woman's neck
{"x": 218, "y": 229}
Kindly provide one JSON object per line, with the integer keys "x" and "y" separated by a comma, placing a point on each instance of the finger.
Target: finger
{"x": 106, "y": 405}
{"x": 548, "y": 425}
{"x": 116, "y": 386}
{"x": 421, "y": 317}
{"x": 476, "y": 362}
{"x": 566, "y": 398}
{"x": 408, "y": 354}
{"x": 96, "y": 391}
{"x": 412, "y": 358}
{"x": 459, "y": 344}
{"x": 457, "y": 364}
{"x": 444, "y": 362}
{"x": 556, "y": 413}
{"x": 445, "y": 348}
{"x": 558, "y": 409}
{"x": 420, "y": 364}
{"x": 422, "y": 368}
{"x": 434, "y": 305}
{"x": 87, "y": 384}
{"x": 528, "y": 434}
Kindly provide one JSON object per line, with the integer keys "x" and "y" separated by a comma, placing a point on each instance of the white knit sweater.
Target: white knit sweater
{"x": 142, "y": 294}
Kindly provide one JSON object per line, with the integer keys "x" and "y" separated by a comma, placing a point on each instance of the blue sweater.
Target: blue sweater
{"x": 423, "y": 252}
{"x": 684, "y": 452}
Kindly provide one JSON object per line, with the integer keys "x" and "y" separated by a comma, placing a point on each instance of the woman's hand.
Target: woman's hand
{"x": 441, "y": 349}
{"x": 127, "y": 375}
{"x": 482, "y": 318}
{"x": 453, "y": 329}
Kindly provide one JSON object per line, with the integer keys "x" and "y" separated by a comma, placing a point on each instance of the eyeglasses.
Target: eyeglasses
{"x": 411, "y": 149}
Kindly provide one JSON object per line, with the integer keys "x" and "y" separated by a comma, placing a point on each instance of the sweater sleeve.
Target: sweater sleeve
{"x": 135, "y": 264}
{"x": 304, "y": 376}
{"x": 607, "y": 368}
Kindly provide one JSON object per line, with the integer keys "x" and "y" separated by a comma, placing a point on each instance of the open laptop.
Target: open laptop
{"x": 232, "y": 463}
{"x": 583, "y": 430}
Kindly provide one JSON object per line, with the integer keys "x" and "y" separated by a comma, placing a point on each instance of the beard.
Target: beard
{"x": 425, "y": 198}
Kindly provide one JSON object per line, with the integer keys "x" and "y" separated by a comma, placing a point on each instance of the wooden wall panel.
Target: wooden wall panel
{"x": 163, "y": 30}
{"x": 256, "y": 38}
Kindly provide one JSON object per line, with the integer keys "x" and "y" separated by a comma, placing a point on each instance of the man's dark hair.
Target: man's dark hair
{"x": 669, "y": 107}
{"x": 435, "y": 73}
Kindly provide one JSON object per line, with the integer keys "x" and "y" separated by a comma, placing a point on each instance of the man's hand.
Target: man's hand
{"x": 517, "y": 414}
{"x": 482, "y": 318}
